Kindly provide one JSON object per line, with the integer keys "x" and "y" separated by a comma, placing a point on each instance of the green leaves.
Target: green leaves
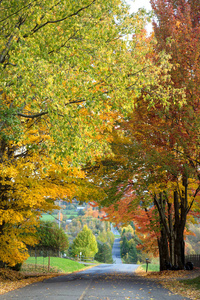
{"x": 73, "y": 62}
{"x": 85, "y": 243}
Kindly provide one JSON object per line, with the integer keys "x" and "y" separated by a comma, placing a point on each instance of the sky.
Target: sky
{"x": 136, "y": 4}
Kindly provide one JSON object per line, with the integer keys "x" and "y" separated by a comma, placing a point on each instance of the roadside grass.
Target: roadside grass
{"x": 195, "y": 282}
{"x": 151, "y": 267}
{"x": 31, "y": 272}
{"x": 57, "y": 264}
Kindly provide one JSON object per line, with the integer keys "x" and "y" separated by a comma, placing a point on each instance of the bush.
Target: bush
{"x": 17, "y": 267}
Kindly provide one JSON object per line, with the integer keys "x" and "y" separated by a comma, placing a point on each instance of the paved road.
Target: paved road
{"x": 116, "y": 252}
{"x": 104, "y": 282}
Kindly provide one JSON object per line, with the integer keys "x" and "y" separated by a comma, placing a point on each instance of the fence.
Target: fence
{"x": 194, "y": 258}
{"x": 40, "y": 259}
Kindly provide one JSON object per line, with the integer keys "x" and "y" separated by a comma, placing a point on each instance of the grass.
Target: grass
{"x": 57, "y": 264}
{"x": 195, "y": 282}
{"x": 47, "y": 217}
{"x": 151, "y": 267}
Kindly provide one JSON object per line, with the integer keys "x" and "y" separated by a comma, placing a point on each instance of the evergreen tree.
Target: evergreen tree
{"x": 104, "y": 253}
{"x": 124, "y": 246}
{"x": 132, "y": 257}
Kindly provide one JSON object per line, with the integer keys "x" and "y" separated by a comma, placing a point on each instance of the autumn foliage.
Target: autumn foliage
{"x": 154, "y": 178}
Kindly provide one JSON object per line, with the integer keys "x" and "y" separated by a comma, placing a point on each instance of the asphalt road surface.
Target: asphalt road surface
{"x": 116, "y": 252}
{"x": 104, "y": 282}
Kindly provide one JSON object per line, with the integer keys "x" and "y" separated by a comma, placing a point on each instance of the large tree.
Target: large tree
{"x": 157, "y": 163}
{"x": 177, "y": 30}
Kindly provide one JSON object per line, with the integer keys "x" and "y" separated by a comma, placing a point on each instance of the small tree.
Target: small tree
{"x": 124, "y": 246}
{"x": 85, "y": 242}
{"x": 104, "y": 253}
{"x": 51, "y": 237}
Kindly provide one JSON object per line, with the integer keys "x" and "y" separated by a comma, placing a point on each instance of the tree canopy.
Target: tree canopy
{"x": 156, "y": 166}
{"x": 85, "y": 243}
{"x": 68, "y": 72}
{"x": 51, "y": 237}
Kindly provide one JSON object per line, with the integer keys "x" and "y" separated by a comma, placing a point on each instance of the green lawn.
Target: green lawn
{"x": 56, "y": 263}
{"x": 47, "y": 217}
{"x": 151, "y": 267}
{"x": 192, "y": 282}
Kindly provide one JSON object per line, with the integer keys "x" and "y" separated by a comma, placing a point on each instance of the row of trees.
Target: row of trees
{"x": 156, "y": 166}
{"x": 87, "y": 100}
{"x": 85, "y": 245}
{"x": 66, "y": 70}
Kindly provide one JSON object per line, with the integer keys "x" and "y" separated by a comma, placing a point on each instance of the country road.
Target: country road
{"x": 104, "y": 282}
{"x": 116, "y": 252}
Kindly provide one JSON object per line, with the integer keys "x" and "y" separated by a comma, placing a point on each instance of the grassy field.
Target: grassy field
{"x": 47, "y": 217}
{"x": 56, "y": 263}
{"x": 69, "y": 214}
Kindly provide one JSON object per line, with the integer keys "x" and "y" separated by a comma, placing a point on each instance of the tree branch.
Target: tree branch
{"x": 60, "y": 20}
{"x": 32, "y": 116}
{"x": 17, "y": 11}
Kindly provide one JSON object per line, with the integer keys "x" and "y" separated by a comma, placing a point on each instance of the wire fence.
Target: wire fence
{"x": 41, "y": 260}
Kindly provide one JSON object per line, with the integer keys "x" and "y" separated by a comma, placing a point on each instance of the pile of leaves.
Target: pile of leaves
{"x": 8, "y": 274}
{"x": 11, "y": 280}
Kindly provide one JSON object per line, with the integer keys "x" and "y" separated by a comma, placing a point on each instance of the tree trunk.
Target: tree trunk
{"x": 163, "y": 251}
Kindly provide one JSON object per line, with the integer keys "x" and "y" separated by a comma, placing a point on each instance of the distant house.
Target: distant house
{"x": 80, "y": 208}
{"x": 68, "y": 221}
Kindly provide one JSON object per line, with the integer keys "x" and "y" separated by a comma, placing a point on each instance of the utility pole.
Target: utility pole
{"x": 59, "y": 215}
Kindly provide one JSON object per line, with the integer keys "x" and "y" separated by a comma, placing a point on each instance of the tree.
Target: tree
{"x": 177, "y": 32}
{"x": 149, "y": 176}
{"x": 51, "y": 237}
{"x": 132, "y": 253}
{"x": 104, "y": 253}
{"x": 85, "y": 243}
{"x": 124, "y": 246}
{"x": 161, "y": 144}
{"x": 66, "y": 72}
{"x": 106, "y": 236}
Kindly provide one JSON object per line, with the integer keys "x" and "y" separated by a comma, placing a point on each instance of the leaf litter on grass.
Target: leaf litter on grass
{"x": 171, "y": 281}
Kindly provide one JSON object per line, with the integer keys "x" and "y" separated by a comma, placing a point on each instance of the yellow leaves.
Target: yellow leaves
{"x": 178, "y": 24}
{"x": 38, "y": 20}
{"x": 10, "y": 216}
{"x": 10, "y": 171}
{"x": 156, "y": 188}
